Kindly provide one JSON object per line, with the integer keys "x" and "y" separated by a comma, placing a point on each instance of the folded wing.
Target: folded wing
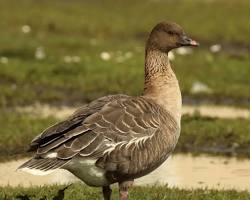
{"x": 96, "y": 129}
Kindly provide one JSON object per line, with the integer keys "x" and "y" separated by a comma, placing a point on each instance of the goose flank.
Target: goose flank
{"x": 118, "y": 138}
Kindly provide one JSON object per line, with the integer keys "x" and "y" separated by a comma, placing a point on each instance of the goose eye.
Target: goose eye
{"x": 170, "y": 32}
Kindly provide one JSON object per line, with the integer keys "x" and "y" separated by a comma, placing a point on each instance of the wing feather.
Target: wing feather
{"x": 104, "y": 127}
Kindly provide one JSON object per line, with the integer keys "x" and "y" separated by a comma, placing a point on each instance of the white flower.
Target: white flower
{"x": 184, "y": 51}
{"x": 105, "y": 56}
{"x": 171, "y": 55}
{"x": 40, "y": 53}
{"x": 199, "y": 87}
{"x": 71, "y": 59}
{"x": 76, "y": 59}
{"x": 4, "y": 60}
{"x": 67, "y": 59}
{"x": 215, "y": 48}
{"x": 26, "y": 29}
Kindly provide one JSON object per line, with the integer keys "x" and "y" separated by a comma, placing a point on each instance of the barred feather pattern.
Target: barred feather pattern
{"x": 128, "y": 136}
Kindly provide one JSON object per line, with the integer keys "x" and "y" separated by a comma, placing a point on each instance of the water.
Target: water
{"x": 181, "y": 170}
{"x": 45, "y": 110}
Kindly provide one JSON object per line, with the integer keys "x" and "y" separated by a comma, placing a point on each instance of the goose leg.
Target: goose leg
{"x": 123, "y": 189}
{"x": 106, "y": 190}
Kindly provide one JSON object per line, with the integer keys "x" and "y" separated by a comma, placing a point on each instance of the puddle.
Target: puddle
{"x": 180, "y": 170}
{"x": 45, "y": 110}
{"x": 217, "y": 111}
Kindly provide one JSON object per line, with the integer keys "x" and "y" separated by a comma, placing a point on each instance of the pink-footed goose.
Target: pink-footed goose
{"x": 118, "y": 138}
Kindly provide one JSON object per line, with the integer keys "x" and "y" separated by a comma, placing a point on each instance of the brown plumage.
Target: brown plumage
{"x": 118, "y": 138}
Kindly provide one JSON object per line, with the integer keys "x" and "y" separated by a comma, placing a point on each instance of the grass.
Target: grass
{"x": 215, "y": 136}
{"x": 87, "y": 28}
{"x": 17, "y": 131}
{"x": 79, "y": 191}
{"x": 106, "y": 19}
{"x": 199, "y": 135}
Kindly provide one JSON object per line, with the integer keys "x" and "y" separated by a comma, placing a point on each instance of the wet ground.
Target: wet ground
{"x": 43, "y": 110}
{"x": 181, "y": 170}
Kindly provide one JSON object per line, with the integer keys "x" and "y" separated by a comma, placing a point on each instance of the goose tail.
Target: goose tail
{"x": 42, "y": 166}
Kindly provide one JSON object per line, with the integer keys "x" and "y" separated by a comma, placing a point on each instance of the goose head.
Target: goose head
{"x": 166, "y": 36}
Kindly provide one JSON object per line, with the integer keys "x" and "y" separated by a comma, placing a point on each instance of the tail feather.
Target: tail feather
{"x": 42, "y": 166}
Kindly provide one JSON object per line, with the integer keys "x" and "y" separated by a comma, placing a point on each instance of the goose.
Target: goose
{"x": 118, "y": 138}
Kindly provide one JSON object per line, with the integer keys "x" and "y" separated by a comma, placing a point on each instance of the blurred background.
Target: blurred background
{"x": 58, "y": 55}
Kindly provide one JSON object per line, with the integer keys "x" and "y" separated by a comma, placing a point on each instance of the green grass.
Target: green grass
{"x": 110, "y": 18}
{"x": 79, "y": 191}
{"x": 17, "y": 131}
{"x": 215, "y": 136}
{"x": 53, "y": 81}
{"x": 87, "y": 28}
{"x": 199, "y": 135}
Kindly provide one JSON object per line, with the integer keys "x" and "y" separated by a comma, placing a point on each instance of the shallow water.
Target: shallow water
{"x": 45, "y": 110}
{"x": 181, "y": 170}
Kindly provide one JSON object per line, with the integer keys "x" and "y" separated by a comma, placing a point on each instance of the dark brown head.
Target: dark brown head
{"x": 166, "y": 36}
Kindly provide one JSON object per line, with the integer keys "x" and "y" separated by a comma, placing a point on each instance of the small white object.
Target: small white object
{"x": 184, "y": 51}
{"x": 71, "y": 59}
{"x": 199, "y": 87}
{"x": 4, "y": 60}
{"x": 76, "y": 59}
{"x": 51, "y": 155}
{"x": 40, "y": 53}
{"x": 26, "y": 28}
{"x": 215, "y": 48}
{"x": 105, "y": 56}
{"x": 67, "y": 59}
{"x": 171, "y": 55}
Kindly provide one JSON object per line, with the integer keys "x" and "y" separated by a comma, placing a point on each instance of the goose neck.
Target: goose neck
{"x": 161, "y": 84}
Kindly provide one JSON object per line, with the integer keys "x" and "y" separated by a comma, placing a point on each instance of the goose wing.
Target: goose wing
{"x": 71, "y": 125}
{"x": 99, "y": 128}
